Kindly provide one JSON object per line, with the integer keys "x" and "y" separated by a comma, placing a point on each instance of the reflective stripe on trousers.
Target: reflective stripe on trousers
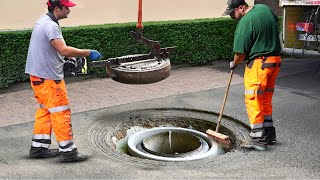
{"x": 54, "y": 112}
{"x": 257, "y": 130}
{"x": 268, "y": 122}
{"x": 41, "y": 140}
{"x": 259, "y": 88}
{"x": 66, "y": 146}
{"x": 56, "y": 109}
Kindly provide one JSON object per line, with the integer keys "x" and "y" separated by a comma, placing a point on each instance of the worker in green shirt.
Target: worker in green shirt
{"x": 256, "y": 40}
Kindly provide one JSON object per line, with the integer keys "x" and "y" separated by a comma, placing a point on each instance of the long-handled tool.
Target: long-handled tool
{"x": 219, "y": 137}
{"x": 139, "y": 24}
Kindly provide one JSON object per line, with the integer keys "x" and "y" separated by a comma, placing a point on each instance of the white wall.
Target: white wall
{"x": 19, "y": 14}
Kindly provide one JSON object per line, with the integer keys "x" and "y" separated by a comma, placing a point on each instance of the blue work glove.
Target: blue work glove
{"x": 232, "y": 65}
{"x": 94, "y": 55}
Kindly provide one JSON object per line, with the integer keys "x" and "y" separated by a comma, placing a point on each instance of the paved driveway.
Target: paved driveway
{"x": 100, "y": 104}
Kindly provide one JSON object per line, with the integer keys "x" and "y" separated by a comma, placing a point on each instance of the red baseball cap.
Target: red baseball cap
{"x": 66, "y": 3}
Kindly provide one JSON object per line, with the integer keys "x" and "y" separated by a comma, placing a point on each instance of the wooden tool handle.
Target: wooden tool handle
{"x": 224, "y": 101}
{"x": 139, "y": 24}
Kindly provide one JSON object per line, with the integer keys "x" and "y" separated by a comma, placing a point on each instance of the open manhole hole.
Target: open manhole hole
{"x": 172, "y": 144}
{"x": 163, "y": 135}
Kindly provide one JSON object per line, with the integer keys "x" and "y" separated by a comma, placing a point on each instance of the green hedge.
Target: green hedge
{"x": 198, "y": 42}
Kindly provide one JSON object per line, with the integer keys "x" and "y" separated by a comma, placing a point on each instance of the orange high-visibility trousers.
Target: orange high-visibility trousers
{"x": 259, "y": 82}
{"x": 53, "y": 113}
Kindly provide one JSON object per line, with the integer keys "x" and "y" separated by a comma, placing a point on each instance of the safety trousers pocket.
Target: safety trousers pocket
{"x": 36, "y": 81}
{"x": 59, "y": 92}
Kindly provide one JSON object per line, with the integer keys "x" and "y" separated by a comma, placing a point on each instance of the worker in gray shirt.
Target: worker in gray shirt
{"x": 45, "y": 62}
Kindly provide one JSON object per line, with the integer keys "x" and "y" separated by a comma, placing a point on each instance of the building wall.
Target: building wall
{"x": 273, "y": 4}
{"x": 20, "y": 14}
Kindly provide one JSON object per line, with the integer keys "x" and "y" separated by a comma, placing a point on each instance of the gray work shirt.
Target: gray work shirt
{"x": 43, "y": 59}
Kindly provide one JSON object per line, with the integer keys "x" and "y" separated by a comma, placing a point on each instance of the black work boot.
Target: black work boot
{"x": 41, "y": 152}
{"x": 255, "y": 143}
{"x": 270, "y": 132}
{"x": 72, "y": 156}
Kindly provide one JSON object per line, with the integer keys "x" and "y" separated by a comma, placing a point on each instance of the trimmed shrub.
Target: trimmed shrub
{"x": 198, "y": 42}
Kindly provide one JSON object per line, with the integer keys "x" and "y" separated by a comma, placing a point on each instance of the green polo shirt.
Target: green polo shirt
{"x": 257, "y": 33}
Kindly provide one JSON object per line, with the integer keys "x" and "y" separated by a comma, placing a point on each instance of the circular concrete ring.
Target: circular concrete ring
{"x": 135, "y": 145}
{"x": 144, "y": 72}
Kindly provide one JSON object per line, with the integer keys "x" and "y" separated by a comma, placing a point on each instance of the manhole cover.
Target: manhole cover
{"x": 139, "y": 68}
{"x": 141, "y": 72}
{"x": 136, "y": 68}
